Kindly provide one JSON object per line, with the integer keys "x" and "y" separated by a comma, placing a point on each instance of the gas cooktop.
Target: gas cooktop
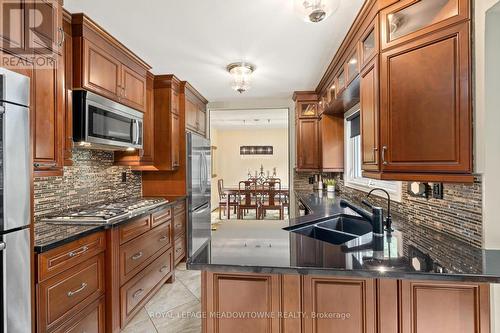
{"x": 107, "y": 213}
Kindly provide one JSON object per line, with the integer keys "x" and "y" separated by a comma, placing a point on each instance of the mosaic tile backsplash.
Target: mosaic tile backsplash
{"x": 458, "y": 214}
{"x": 92, "y": 179}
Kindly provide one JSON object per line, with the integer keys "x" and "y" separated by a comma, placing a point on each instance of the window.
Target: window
{"x": 353, "y": 177}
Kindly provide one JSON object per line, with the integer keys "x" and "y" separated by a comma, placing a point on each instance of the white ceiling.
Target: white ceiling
{"x": 249, "y": 119}
{"x": 196, "y": 39}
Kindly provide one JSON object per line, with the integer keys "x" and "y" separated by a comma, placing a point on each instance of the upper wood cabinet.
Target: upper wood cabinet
{"x": 48, "y": 119}
{"x": 168, "y": 122}
{"x": 319, "y": 137}
{"x": 409, "y": 19}
{"x": 414, "y": 61}
{"x": 369, "y": 116}
{"x": 308, "y": 146}
{"x": 143, "y": 159}
{"x": 369, "y": 43}
{"x": 14, "y": 27}
{"x": 425, "y": 114}
{"x": 68, "y": 90}
{"x": 195, "y": 109}
{"x": 105, "y": 66}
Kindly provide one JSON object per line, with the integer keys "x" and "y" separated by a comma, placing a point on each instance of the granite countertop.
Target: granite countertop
{"x": 410, "y": 252}
{"x": 49, "y": 236}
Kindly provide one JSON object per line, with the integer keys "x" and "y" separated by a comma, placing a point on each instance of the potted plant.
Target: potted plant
{"x": 330, "y": 185}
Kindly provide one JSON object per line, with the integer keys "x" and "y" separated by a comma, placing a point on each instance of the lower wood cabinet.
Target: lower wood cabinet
{"x": 228, "y": 295}
{"x": 338, "y": 305}
{"x": 92, "y": 320}
{"x": 141, "y": 259}
{"x": 248, "y": 302}
{"x": 70, "y": 286}
{"x": 180, "y": 240}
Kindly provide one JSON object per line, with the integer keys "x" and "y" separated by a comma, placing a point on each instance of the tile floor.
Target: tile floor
{"x": 174, "y": 309}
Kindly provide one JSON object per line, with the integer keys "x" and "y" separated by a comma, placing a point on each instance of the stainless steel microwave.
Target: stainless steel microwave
{"x": 101, "y": 123}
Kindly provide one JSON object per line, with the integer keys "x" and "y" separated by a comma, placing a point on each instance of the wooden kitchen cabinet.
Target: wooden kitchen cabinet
{"x": 435, "y": 307}
{"x": 308, "y": 148}
{"x": 143, "y": 159}
{"x": 48, "y": 119}
{"x": 408, "y": 19}
{"x": 68, "y": 90}
{"x": 343, "y": 304}
{"x": 70, "y": 285}
{"x": 369, "y": 117}
{"x": 258, "y": 293}
{"x": 425, "y": 106}
{"x": 350, "y": 303}
{"x": 195, "y": 109}
{"x": 319, "y": 137}
{"x": 105, "y": 66}
{"x": 13, "y": 30}
{"x": 140, "y": 254}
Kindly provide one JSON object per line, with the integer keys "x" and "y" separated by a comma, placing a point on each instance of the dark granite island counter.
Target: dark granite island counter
{"x": 411, "y": 269}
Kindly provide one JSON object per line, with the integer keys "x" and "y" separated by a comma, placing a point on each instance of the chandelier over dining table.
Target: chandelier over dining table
{"x": 260, "y": 176}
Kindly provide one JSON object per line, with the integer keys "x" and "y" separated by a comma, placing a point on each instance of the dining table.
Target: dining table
{"x": 233, "y": 191}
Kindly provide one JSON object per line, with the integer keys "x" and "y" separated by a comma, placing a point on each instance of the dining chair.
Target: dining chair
{"x": 248, "y": 198}
{"x": 272, "y": 198}
{"x": 223, "y": 200}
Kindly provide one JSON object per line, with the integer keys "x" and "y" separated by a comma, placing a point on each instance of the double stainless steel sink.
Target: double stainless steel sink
{"x": 336, "y": 230}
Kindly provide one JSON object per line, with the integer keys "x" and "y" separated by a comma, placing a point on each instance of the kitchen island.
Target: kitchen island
{"x": 412, "y": 280}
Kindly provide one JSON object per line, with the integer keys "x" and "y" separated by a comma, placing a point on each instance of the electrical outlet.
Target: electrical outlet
{"x": 124, "y": 177}
{"x": 437, "y": 190}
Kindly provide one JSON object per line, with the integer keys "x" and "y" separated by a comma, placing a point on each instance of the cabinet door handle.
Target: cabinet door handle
{"x": 138, "y": 293}
{"x": 79, "y": 251}
{"x": 136, "y": 256}
{"x": 39, "y": 165}
{"x": 63, "y": 37}
{"x": 164, "y": 238}
{"x": 384, "y": 149}
{"x": 163, "y": 269}
{"x": 71, "y": 293}
{"x": 178, "y": 225}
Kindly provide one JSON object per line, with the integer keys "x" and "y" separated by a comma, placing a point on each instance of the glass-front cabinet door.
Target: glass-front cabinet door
{"x": 368, "y": 44}
{"x": 308, "y": 109}
{"x": 352, "y": 66}
{"x": 408, "y": 19}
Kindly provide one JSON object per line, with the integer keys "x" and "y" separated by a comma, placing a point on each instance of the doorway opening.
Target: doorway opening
{"x": 250, "y": 164}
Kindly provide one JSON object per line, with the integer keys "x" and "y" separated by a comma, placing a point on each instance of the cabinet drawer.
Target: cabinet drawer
{"x": 179, "y": 225}
{"x": 134, "y": 228}
{"x": 179, "y": 248}
{"x": 142, "y": 286}
{"x": 92, "y": 320}
{"x": 179, "y": 207}
{"x": 136, "y": 255}
{"x": 67, "y": 294}
{"x": 161, "y": 217}
{"x": 60, "y": 259}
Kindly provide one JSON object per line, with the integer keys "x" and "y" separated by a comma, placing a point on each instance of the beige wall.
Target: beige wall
{"x": 232, "y": 167}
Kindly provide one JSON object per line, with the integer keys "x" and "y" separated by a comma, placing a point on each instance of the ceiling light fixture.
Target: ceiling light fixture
{"x": 241, "y": 72}
{"x": 315, "y": 10}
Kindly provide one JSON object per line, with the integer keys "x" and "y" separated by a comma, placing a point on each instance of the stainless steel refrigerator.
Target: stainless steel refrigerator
{"x": 15, "y": 166}
{"x": 198, "y": 189}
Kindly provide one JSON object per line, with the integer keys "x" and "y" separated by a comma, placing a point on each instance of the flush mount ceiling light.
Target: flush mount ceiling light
{"x": 315, "y": 10}
{"x": 241, "y": 73}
